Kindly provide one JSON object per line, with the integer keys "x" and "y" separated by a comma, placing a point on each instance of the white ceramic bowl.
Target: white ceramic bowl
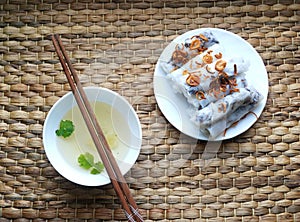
{"x": 121, "y": 120}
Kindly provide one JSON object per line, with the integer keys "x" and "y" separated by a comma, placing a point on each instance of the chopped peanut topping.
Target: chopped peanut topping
{"x": 193, "y": 80}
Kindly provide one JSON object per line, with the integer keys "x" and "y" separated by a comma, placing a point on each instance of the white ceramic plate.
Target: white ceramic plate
{"x": 174, "y": 106}
{"x": 63, "y": 153}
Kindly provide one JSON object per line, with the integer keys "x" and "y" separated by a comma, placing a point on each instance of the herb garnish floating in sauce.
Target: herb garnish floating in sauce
{"x": 66, "y": 128}
{"x": 86, "y": 160}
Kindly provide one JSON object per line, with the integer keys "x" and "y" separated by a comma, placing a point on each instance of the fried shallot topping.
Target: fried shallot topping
{"x": 203, "y": 37}
{"x": 185, "y": 72}
{"x": 233, "y": 82}
{"x": 221, "y": 84}
{"x": 193, "y": 80}
{"x": 220, "y": 65}
{"x": 208, "y": 69}
{"x": 207, "y": 58}
{"x": 200, "y": 95}
{"x": 234, "y": 90}
{"x": 195, "y": 44}
{"x": 235, "y": 69}
{"x": 219, "y": 55}
{"x": 180, "y": 56}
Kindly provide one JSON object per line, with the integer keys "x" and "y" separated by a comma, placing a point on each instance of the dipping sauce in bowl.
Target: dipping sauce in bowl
{"x": 118, "y": 122}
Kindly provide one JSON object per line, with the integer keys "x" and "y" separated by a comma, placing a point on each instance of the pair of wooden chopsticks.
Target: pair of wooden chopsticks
{"x": 111, "y": 166}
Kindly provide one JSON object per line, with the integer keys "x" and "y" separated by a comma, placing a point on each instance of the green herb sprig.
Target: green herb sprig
{"x": 66, "y": 128}
{"x": 86, "y": 161}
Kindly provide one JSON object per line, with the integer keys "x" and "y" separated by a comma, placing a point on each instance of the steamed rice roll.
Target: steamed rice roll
{"x": 218, "y": 116}
{"x": 203, "y": 80}
{"x": 181, "y": 53}
{"x": 222, "y": 125}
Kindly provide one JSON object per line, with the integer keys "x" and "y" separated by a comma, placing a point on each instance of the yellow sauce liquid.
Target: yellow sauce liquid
{"x": 113, "y": 125}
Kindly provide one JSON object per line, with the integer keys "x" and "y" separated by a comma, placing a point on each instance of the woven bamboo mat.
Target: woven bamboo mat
{"x": 254, "y": 177}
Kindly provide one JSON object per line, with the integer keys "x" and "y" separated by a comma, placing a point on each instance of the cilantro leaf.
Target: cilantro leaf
{"x": 66, "y": 128}
{"x": 94, "y": 171}
{"x": 98, "y": 168}
{"x": 86, "y": 161}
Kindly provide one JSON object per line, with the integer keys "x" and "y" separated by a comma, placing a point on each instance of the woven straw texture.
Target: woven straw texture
{"x": 116, "y": 44}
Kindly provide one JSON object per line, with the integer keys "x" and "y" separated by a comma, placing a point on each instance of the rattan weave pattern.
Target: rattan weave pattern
{"x": 116, "y": 44}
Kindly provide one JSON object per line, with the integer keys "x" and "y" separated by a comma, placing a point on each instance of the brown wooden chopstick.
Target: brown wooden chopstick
{"x": 110, "y": 164}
